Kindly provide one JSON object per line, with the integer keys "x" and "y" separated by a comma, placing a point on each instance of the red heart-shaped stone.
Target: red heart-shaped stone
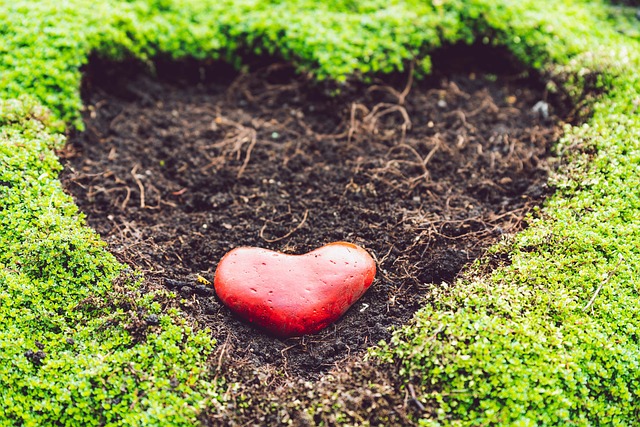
{"x": 292, "y": 295}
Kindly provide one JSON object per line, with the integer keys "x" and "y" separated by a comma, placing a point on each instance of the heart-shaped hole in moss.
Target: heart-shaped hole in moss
{"x": 177, "y": 169}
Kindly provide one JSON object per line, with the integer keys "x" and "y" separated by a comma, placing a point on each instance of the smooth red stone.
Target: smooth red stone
{"x": 293, "y": 295}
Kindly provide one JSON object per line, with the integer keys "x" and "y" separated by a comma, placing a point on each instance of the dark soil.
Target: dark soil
{"x": 176, "y": 169}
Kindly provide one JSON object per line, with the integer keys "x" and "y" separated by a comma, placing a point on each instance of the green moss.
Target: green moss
{"x": 546, "y": 339}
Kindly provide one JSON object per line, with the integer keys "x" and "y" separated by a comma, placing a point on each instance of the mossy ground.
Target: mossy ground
{"x": 547, "y": 337}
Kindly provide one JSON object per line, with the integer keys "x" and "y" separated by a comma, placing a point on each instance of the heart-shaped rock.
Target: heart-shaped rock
{"x": 292, "y": 295}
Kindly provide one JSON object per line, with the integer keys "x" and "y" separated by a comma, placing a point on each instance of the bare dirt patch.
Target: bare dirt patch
{"x": 176, "y": 169}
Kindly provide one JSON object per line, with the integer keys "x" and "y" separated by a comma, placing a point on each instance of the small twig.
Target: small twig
{"x": 297, "y": 227}
{"x": 407, "y": 89}
{"x": 401, "y": 96}
{"x": 237, "y": 138}
{"x": 123, "y": 206}
{"x": 414, "y": 399}
{"x": 604, "y": 282}
{"x": 421, "y": 162}
{"x": 352, "y": 119}
{"x": 247, "y": 156}
{"x": 222, "y": 350}
{"x": 140, "y": 186}
{"x": 382, "y": 109}
{"x": 220, "y": 358}
{"x": 487, "y": 103}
